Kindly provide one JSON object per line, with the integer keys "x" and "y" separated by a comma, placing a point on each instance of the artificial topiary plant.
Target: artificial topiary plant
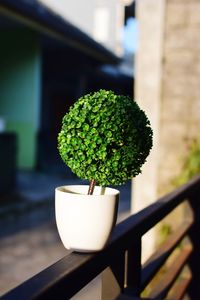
{"x": 105, "y": 138}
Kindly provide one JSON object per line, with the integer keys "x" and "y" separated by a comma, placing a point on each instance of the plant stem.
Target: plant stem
{"x": 91, "y": 187}
{"x": 103, "y": 190}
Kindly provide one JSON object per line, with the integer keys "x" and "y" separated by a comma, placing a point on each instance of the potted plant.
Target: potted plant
{"x": 105, "y": 138}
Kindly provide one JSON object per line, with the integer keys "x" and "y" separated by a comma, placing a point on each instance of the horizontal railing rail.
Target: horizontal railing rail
{"x": 123, "y": 275}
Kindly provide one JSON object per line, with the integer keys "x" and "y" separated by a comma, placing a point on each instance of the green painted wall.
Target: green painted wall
{"x": 20, "y": 71}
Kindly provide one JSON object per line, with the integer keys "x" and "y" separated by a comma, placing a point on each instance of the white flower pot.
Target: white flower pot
{"x": 84, "y": 221}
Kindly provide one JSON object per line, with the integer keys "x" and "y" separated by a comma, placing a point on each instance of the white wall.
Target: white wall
{"x": 101, "y": 19}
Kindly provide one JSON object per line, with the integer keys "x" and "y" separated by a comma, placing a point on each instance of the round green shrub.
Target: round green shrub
{"x": 105, "y": 137}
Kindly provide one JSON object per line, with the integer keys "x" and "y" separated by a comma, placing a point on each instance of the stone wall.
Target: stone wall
{"x": 180, "y": 113}
{"x": 167, "y": 87}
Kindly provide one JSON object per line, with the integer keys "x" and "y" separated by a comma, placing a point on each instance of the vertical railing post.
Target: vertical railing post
{"x": 194, "y": 235}
{"x": 133, "y": 268}
{"x": 113, "y": 277}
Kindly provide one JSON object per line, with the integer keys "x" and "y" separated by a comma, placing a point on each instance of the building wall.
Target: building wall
{"x": 167, "y": 87}
{"x": 101, "y": 19}
{"x": 180, "y": 115}
{"x": 20, "y": 90}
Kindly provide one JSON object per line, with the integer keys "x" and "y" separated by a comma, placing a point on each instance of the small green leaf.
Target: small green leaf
{"x": 86, "y": 127}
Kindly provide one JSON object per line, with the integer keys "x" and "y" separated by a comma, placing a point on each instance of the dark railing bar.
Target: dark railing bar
{"x": 166, "y": 281}
{"x": 139, "y": 223}
{"x": 113, "y": 278}
{"x": 156, "y": 261}
{"x": 60, "y": 280}
{"x": 133, "y": 268}
{"x": 194, "y": 260}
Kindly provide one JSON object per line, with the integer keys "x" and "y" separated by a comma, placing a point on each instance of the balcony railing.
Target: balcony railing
{"x": 123, "y": 275}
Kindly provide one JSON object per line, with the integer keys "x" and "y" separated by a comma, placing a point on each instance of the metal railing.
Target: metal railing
{"x": 123, "y": 275}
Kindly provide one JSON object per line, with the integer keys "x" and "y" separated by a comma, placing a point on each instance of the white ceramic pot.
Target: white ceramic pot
{"x": 85, "y": 222}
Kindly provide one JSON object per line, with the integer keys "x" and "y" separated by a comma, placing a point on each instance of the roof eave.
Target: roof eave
{"x": 37, "y": 16}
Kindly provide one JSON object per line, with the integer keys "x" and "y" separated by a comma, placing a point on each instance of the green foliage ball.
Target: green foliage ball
{"x": 105, "y": 137}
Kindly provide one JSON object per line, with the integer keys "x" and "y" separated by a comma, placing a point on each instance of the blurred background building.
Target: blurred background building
{"x": 100, "y": 19}
{"x": 51, "y": 53}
